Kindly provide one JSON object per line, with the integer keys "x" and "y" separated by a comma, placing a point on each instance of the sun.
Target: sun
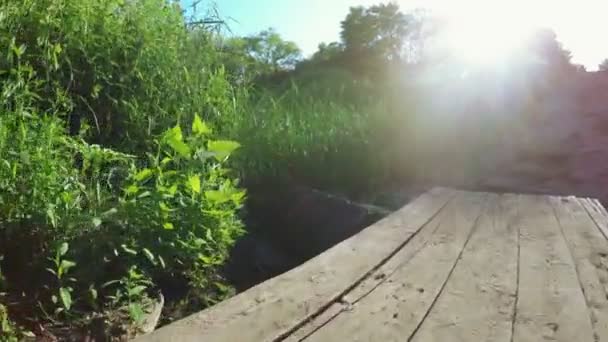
{"x": 487, "y": 33}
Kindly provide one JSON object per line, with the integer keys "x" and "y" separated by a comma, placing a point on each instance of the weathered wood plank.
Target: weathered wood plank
{"x": 395, "y": 308}
{"x": 588, "y": 248}
{"x": 598, "y": 213}
{"x": 478, "y": 302}
{"x": 276, "y": 307}
{"x": 550, "y": 304}
{"x": 373, "y": 280}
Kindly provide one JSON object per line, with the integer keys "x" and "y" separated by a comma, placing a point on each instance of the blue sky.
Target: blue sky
{"x": 307, "y": 22}
{"x": 580, "y": 24}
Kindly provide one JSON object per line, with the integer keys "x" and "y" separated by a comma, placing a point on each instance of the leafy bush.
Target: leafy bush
{"x": 180, "y": 210}
{"x": 94, "y": 166}
{"x": 175, "y": 216}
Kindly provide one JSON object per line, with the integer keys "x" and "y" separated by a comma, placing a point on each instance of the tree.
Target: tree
{"x": 271, "y": 51}
{"x": 262, "y": 54}
{"x": 549, "y": 51}
{"x": 327, "y": 52}
{"x": 604, "y": 65}
{"x": 378, "y": 30}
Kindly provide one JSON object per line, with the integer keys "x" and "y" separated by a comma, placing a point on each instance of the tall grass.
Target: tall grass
{"x": 310, "y": 134}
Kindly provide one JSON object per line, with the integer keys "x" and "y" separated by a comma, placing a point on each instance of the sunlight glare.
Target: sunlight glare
{"x": 488, "y": 33}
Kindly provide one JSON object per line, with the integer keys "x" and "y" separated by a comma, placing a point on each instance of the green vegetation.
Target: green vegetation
{"x": 105, "y": 160}
{"x": 120, "y": 171}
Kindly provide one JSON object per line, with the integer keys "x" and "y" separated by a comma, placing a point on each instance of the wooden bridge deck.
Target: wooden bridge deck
{"x": 450, "y": 266}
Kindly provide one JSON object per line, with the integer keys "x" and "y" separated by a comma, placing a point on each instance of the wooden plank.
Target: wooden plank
{"x": 394, "y": 309}
{"x": 478, "y": 302}
{"x": 372, "y": 281}
{"x": 598, "y": 213}
{"x": 318, "y": 322}
{"x": 589, "y": 249}
{"x": 550, "y": 304}
{"x": 276, "y": 307}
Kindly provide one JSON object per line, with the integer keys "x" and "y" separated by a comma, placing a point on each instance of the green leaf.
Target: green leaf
{"x": 63, "y": 248}
{"x": 168, "y": 226}
{"x": 181, "y": 148}
{"x": 209, "y": 235}
{"x": 172, "y": 190}
{"x": 174, "y": 133}
{"x": 132, "y": 189}
{"x": 66, "y": 297}
{"x": 205, "y": 259}
{"x": 128, "y": 250}
{"x": 217, "y": 197}
{"x": 144, "y": 194}
{"x": 174, "y": 139}
{"x": 96, "y": 89}
{"x": 194, "y": 183}
{"x": 50, "y": 213}
{"x": 65, "y": 266}
{"x": 149, "y": 255}
{"x": 199, "y": 127}
{"x": 237, "y": 197}
{"x": 66, "y": 197}
{"x": 109, "y": 212}
{"x": 222, "y": 288}
{"x": 93, "y": 293}
{"x": 96, "y": 222}
{"x": 111, "y": 282}
{"x": 136, "y": 290}
{"x": 136, "y": 312}
{"x": 164, "y": 207}
{"x": 143, "y": 175}
{"x": 222, "y": 148}
{"x": 162, "y": 261}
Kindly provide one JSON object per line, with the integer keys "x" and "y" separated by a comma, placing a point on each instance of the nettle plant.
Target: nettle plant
{"x": 181, "y": 209}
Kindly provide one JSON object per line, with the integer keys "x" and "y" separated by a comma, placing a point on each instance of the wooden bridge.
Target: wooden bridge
{"x": 450, "y": 266}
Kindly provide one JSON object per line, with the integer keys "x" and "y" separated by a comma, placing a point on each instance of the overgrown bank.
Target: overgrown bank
{"x": 113, "y": 185}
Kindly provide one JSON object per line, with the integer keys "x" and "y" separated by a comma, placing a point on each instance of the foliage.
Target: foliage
{"x": 125, "y": 68}
{"x": 60, "y": 271}
{"x": 271, "y": 50}
{"x": 180, "y": 209}
{"x": 131, "y": 290}
{"x": 378, "y": 31}
{"x": 9, "y": 330}
{"x": 94, "y": 166}
{"x": 311, "y": 131}
{"x": 257, "y": 55}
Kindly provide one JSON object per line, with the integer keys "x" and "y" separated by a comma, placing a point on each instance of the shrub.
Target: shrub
{"x": 173, "y": 216}
{"x": 180, "y": 209}
{"x": 83, "y": 82}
